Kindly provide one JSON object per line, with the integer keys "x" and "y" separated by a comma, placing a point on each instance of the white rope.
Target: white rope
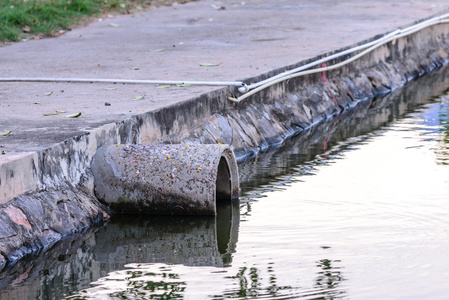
{"x": 251, "y": 89}
{"x": 94, "y": 80}
{"x": 332, "y": 67}
{"x": 323, "y": 60}
{"x": 257, "y": 87}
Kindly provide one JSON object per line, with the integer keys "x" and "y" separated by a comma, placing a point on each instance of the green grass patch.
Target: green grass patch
{"x": 21, "y": 19}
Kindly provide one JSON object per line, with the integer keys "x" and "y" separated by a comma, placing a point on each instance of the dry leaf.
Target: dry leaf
{"x": 73, "y": 115}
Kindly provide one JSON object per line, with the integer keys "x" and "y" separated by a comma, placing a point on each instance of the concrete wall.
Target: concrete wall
{"x": 274, "y": 114}
{"x": 55, "y": 196}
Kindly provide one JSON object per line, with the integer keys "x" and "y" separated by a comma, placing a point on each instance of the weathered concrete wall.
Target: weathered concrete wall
{"x": 34, "y": 222}
{"x": 36, "y": 212}
{"x": 271, "y": 116}
{"x": 15, "y": 178}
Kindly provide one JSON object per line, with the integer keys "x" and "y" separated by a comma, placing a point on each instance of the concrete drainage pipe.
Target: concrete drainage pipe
{"x": 165, "y": 179}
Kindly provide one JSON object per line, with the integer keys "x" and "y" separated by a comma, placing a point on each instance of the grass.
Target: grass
{"x": 23, "y": 19}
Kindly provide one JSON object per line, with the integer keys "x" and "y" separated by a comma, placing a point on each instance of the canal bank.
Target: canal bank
{"x": 47, "y": 188}
{"x": 219, "y": 243}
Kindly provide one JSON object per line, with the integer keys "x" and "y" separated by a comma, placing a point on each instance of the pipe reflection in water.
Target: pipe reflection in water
{"x": 192, "y": 241}
{"x": 139, "y": 255}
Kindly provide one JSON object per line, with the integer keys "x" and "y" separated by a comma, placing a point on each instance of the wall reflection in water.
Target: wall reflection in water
{"x": 325, "y": 140}
{"x": 443, "y": 151}
{"x": 66, "y": 268}
{"x": 73, "y": 264}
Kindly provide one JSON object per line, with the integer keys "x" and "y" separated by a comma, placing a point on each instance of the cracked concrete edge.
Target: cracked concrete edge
{"x": 268, "y": 118}
{"x": 265, "y": 119}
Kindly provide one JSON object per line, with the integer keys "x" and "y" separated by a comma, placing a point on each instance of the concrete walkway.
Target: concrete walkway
{"x": 244, "y": 39}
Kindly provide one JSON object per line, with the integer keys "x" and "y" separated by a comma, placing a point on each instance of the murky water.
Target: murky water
{"x": 357, "y": 208}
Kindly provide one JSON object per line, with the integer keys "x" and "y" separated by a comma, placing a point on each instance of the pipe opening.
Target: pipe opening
{"x": 223, "y": 184}
{"x": 224, "y": 206}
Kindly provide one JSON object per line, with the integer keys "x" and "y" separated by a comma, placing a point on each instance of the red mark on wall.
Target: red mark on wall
{"x": 21, "y": 278}
{"x": 324, "y": 79}
{"x": 18, "y": 216}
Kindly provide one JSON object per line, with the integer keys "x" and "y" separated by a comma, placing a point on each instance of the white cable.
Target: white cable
{"x": 348, "y": 51}
{"x": 291, "y": 75}
{"x": 320, "y": 61}
{"x": 92, "y": 80}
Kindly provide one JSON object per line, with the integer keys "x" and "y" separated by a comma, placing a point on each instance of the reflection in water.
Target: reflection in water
{"x": 137, "y": 281}
{"x": 250, "y": 284}
{"x": 442, "y": 152}
{"x": 142, "y": 285}
{"x": 192, "y": 241}
{"x": 329, "y": 279}
{"x": 67, "y": 267}
{"x": 227, "y": 220}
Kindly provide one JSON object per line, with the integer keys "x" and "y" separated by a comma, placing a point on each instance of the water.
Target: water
{"x": 356, "y": 208}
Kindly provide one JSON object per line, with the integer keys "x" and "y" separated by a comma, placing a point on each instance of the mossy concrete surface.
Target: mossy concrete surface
{"x": 166, "y": 179}
{"x": 47, "y": 153}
